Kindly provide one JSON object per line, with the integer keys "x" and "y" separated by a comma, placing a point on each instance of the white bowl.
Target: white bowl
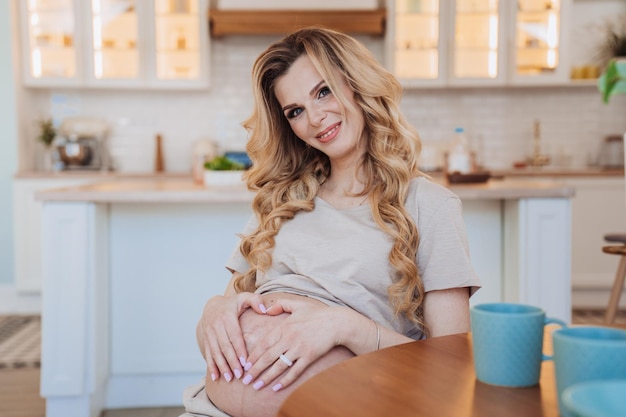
{"x": 222, "y": 178}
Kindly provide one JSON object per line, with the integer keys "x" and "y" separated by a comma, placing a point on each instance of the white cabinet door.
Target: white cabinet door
{"x": 115, "y": 43}
{"x": 27, "y": 229}
{"x": 538, "y": 53}
{"x": 598, "y": 208}
{"x": 477, "y": 42}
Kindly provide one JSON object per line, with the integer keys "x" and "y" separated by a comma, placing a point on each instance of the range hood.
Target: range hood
{"x": 224, "y": 22}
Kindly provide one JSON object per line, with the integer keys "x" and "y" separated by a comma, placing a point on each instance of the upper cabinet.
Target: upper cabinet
{"x": 476, "y": 42}
{"x": 115, "y": 43}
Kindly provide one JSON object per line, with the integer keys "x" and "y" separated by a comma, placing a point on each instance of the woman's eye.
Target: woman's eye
{"x": 294, "y": 113}
{"x": 324, "y": 91}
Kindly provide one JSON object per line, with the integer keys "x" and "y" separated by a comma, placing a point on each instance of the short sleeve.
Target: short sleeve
{"x": 237, "y": 262}
{"x": 443, "y": 254}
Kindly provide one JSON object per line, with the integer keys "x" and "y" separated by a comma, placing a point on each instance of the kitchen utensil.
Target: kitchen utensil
{"x": 76, "y": 153}
{"x": 82, "y": 143}
{"x": 611, "y": 153}
{"x": 596, "y": 399}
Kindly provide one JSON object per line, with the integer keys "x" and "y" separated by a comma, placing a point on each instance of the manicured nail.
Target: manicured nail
{"x": 247, "y": 366}
{"x": 237, "y": 373}
{"x": 277, "y": 387}
{"x": 247, "y": 379}
{"x": 263, "y": 309}
{"x": 242, "y": 361}
{"x": 213, "y": 377}
{"x": 228, "y": 376}
{"x": 257, "y": 385}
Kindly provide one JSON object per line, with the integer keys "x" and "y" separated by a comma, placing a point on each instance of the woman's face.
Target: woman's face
{"x": 316, "y": 116}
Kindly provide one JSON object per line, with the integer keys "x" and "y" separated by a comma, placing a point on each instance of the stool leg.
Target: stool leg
{"x": 616, "y": 292}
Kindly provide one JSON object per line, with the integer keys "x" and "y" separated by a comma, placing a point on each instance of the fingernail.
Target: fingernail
{"x": 263, "y": 309}
{"x": 237, "y": 373}
{"x": 258, "y": 384}
{"x": 247, "y": 366}
{"x": 242, "y": 361}
{"x": 277, "y": 387}
{"x": 247, "y": 379}
{"x": 228, "y": 376}
{"x": 213, "y": 377}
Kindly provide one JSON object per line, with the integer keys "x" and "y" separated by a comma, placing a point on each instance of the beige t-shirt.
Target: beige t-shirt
{"x": 340, "y": 257}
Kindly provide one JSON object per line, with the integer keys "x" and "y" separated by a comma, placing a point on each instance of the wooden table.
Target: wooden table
{"x": 434, "y": 378}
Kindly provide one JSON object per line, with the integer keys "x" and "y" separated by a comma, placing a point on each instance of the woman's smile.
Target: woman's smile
{"x": 330, "y": 133}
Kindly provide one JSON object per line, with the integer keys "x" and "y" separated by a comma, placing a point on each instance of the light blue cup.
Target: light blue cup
{"x": 587, "y": 353}
{"x": 507, "y": 342}
{"x": 596, "y": 398}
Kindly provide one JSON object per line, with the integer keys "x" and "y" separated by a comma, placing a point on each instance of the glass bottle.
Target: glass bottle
{"x": 459, "y": 156}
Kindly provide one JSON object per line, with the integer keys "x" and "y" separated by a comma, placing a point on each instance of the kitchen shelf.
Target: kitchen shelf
{"x": 268, "y": 22}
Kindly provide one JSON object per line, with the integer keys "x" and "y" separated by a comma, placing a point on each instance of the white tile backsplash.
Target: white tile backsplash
{"x": 497, "y": 120}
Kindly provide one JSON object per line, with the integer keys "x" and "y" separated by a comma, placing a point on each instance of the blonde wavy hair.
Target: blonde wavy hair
{"x": 286, "y": 173}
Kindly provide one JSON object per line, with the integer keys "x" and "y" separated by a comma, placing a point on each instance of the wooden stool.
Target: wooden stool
{"x": 618, "y": 284}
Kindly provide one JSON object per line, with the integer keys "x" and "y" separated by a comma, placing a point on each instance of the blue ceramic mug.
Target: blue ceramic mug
{"x": 587, "y": 353}
{"x": 507, "y": 343}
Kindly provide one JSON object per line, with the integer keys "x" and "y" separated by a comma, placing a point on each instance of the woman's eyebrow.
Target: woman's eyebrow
{"x": 312, "y": 92}
{"x": 314, "y": 89}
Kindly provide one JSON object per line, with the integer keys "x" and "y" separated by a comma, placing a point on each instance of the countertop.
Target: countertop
{"x": 183, "y": 190}
{"x": 547, "y": 171}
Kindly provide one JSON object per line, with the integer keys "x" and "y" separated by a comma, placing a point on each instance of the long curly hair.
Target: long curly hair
{"x": 286, "y": 173}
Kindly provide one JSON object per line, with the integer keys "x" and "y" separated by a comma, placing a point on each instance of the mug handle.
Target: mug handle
{"x": 550, "y": 320}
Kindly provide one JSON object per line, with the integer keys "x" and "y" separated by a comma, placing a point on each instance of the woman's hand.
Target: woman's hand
{"x": 303, "y": 337}
{"x": 219, "y": 335}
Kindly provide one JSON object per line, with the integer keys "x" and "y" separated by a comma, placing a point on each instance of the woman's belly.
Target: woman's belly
{"x": 241, "y": 400}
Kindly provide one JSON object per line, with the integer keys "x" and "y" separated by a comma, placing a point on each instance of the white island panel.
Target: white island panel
{"x": 166, "y": 262}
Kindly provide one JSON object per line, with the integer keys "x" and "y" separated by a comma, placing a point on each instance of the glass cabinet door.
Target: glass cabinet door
{"x": 177, "y": 40}
{"x": 416, "y": 45}
{"x": 115, "y": 34}
{"x": 537, "y": 46}
{"x": 476, "y": 39}
{"x": 51, "y": 39}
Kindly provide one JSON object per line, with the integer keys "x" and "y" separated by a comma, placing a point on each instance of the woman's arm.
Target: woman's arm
{"x": 219, "y": 335}
{"x": 447, "y": 311}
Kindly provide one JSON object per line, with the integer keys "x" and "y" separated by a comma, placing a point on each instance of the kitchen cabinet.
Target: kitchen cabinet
{"x": 597, "y": 209}
{"x": 477, "y": 42}
{"x": 27, "y": 228}
{"x": 115, "y": 43}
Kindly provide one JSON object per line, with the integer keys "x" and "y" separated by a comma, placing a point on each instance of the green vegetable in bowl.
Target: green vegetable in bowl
{"x": 222, "y": 163}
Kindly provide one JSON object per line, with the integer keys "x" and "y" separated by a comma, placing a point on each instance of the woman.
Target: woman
{"x": 351, "y": 248}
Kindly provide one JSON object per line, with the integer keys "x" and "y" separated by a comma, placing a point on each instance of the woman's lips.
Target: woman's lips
{"x": 329, "y": 133}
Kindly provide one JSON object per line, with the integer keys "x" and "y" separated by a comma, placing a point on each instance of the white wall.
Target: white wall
{"x": 8, "y": 141}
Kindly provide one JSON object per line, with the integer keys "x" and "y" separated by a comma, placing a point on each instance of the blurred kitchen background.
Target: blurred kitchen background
{"x": 521, "y": 81}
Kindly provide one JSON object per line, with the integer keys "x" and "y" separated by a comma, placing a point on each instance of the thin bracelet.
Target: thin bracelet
{"x": 377, "y": 336}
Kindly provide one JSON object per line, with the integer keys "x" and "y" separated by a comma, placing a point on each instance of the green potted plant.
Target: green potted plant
{"x": 612, "y": 53}
{"x": 46, "y": 136}
{"x": 222, "y": 171}
{"x": 612, "y": 81}
{"x": 47, "y": 132}
{"x": 612, "y": 57}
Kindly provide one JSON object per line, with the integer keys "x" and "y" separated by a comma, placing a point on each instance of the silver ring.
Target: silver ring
{"x": 286, "y": 360}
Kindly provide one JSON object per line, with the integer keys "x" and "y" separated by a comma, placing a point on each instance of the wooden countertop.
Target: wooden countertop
{"x": 183, "y": 190}
{"x": 539, "y": 172}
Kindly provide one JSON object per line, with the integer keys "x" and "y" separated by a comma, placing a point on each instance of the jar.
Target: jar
{"x": 203, "y": 151}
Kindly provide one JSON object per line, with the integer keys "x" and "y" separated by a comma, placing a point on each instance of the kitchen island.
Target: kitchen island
{"x": 128, "y": 266}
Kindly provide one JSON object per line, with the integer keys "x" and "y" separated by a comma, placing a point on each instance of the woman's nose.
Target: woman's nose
{"x": 316, "y": 116}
